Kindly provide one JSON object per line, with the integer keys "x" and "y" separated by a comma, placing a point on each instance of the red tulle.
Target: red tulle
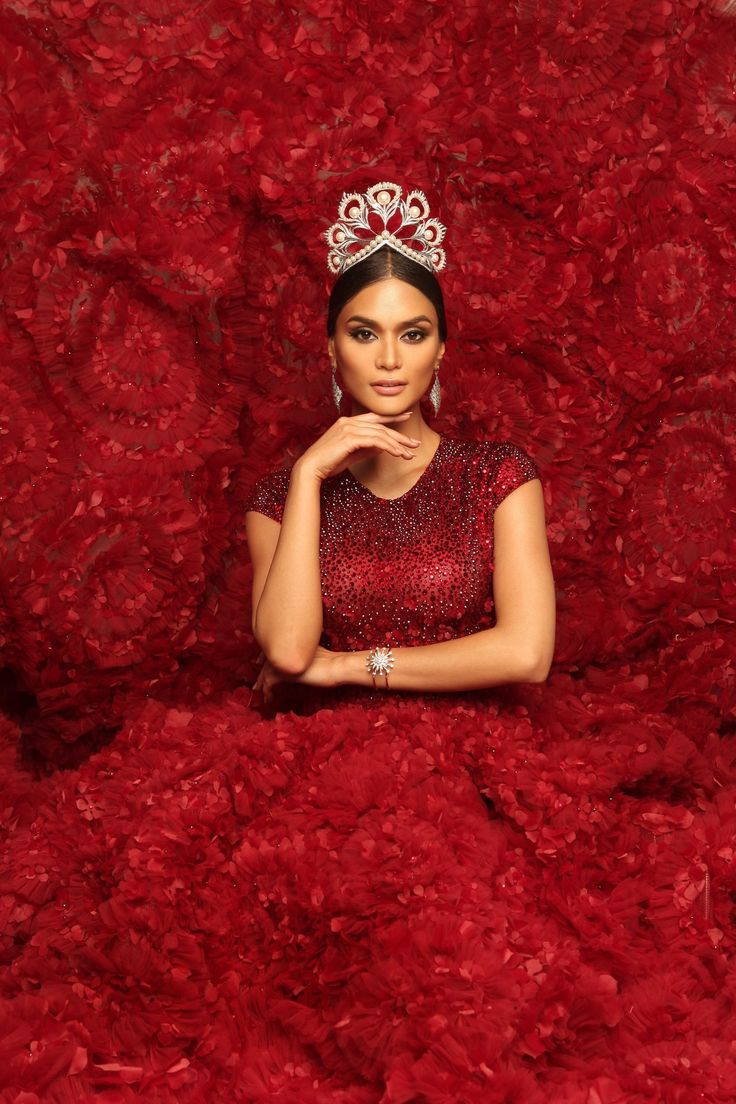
{"x": 507, "y": 897}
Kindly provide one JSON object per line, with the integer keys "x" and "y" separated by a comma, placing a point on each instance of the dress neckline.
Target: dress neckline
{"x": 407, "y": 492}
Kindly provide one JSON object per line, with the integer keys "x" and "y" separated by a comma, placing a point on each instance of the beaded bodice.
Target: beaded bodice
{"x": 415, "y": 569}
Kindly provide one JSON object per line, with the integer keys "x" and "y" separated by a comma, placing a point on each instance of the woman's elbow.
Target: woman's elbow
{"x": 287, "y": 657}
{"x": 535, "y": 669}
{"x": 292, "y": 664}
{"x": 540, "y": 670}
{"x": 290, "y": 660}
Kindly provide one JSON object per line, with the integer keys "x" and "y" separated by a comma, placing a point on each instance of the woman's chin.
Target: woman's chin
{"x": 386, "y": 404}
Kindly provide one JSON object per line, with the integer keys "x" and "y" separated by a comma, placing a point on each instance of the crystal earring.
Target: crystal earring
{"x": 336, "y": 392}
{"x": 434, "y": 394}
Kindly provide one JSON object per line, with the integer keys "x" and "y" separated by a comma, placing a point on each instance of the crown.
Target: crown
{"x": 381, "y": 217}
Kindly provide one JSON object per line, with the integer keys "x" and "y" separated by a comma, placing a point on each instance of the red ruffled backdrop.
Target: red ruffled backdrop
{"x": 167, "y": 171}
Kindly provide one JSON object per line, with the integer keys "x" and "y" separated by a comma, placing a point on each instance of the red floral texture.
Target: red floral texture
{"x": 362, "y": 850}
{"x": 528, "y": 897}
{"x": 171, "y": 216}
{"x": 678, "y": 501}
{"x": 574, "y": 53}
{"x": 140, "y": 381}
{"x": 42, "y": 133}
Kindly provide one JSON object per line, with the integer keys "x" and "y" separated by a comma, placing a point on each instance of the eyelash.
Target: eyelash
{"x": 364, "y": 330}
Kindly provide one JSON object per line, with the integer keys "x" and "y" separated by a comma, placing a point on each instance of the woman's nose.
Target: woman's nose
{"x": 388, "y": 355}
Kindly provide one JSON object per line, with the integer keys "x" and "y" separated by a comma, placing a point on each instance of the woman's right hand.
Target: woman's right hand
{"x": 355, "y": 438}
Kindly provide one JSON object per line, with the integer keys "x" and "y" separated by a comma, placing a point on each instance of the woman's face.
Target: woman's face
{"x": 386, "y": 334}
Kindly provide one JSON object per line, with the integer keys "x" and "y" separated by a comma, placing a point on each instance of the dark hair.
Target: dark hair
{"x": 380, "y": 265}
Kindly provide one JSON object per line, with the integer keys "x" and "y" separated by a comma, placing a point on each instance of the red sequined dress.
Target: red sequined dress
{"x": 405, "y": 571}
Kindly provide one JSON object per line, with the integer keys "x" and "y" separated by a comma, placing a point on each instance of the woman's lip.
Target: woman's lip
{"x": 389, "y": 387}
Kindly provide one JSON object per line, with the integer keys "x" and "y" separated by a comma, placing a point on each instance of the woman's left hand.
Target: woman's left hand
{"x": 322, "y": 671}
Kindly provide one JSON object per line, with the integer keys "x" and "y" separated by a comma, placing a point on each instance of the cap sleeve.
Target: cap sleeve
{"x": 511, "y": 467}
{"x": 268, "y": 495}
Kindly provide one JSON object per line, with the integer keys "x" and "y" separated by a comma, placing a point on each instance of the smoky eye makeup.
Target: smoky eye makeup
{"x": 416, "y": 334}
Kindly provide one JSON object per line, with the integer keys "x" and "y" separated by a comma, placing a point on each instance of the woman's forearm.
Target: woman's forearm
{"x": 288, "y": 620}
{"x": 491, "y": 657}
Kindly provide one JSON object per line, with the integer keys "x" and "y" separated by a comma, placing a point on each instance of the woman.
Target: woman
{"x": 434, "y": 898}
{"x": 389, "y": 557}
{"x": 395, "y": 568}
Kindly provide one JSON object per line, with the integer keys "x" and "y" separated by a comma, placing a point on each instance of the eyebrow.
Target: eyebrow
{"x": 401, "y": 326}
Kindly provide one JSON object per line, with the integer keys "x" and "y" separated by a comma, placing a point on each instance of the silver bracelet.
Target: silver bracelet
{"x": 379, "y": 662}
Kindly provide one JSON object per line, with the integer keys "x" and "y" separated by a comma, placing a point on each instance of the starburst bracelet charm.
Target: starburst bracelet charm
{"x": 379, "y": 662}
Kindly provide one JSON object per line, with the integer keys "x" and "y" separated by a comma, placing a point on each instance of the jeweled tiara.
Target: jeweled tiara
{"x": 381, "y": 217}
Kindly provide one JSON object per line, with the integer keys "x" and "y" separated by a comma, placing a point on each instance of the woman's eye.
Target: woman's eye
{"x": 363, "y": 335}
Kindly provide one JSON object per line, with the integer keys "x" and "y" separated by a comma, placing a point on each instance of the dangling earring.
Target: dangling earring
{"x": 434, "y": 394}
{"x": 336, "y": 392}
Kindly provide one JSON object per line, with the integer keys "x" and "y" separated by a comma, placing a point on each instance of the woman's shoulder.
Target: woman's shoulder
{"x": 268, "y": 493}
{"x": 493, "y": 452}
{"x": 493, "y": 465}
